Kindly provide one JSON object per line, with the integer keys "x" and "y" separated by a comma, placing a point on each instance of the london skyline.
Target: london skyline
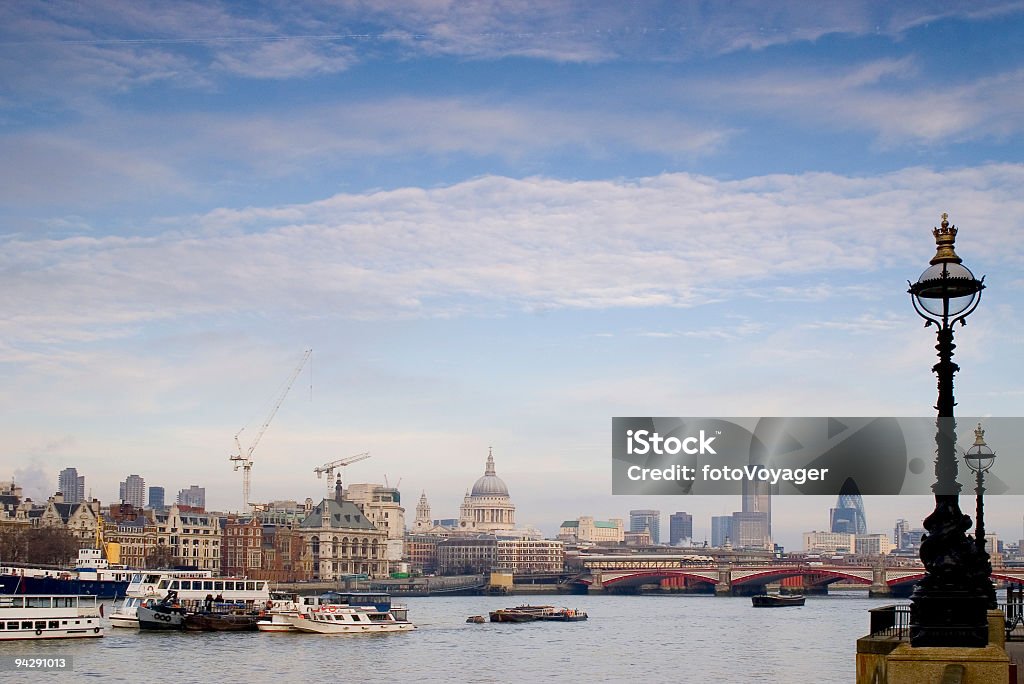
{"x": 496, "y": 224}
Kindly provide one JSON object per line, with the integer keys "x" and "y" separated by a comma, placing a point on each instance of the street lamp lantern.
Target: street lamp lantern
{"x": 947, "y": 291}
{"x": 980, "y": 456}
{"x": 950, "y": 603}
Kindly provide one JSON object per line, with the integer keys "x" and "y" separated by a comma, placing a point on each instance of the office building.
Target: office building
{"x": 133, "y": 491}
{"x": 680, "y": 528}
{"x": 71, "y": 485}
{"x": 646, "y": 520}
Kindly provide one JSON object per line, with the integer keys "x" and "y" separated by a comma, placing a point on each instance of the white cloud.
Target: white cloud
{"x": 496, "y": 244}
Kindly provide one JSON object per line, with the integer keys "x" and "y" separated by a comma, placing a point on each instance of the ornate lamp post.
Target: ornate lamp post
{"x": 949, "y": 605}
{"x": 980, "y": 458}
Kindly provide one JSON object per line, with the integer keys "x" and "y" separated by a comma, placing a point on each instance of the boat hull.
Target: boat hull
{"x": 316, "y": 627}
{"x": 157, "y": 620}
{"x": 776, "y": 601}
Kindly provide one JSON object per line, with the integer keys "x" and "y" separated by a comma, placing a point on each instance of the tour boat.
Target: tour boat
{"x": 335, "y": 619}
{"x": 92, "y": 575}
{"x": 776, "y": 600}
{"x": 36, "y": 616}
{"x": 284, "y": 610}
{"x": 193, "y": 587}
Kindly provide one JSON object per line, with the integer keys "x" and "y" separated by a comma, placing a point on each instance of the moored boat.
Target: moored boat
{"x": 92, "y": 575}
{"x": 334, "y": 619}
{"x": 164, "y": 614}
{"x": 34, "y": 616}
{"x": 777, "y": 600}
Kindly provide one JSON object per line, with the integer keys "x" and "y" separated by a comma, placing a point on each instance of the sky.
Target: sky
{"x": 497, "y": 225}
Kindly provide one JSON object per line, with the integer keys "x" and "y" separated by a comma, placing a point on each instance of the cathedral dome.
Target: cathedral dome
{"x": 490, "y": 484}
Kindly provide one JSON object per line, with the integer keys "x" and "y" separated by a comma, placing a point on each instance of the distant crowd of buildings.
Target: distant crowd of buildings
{"x": 361, "y": 530}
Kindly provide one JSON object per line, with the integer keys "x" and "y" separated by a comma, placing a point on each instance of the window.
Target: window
{"x": 26, "y": 624}
{"x": 54, "y": 624}
{"x": 250, "y": 586}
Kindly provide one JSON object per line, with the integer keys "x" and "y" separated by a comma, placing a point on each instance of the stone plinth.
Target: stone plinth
{"x": 909, "y": 665}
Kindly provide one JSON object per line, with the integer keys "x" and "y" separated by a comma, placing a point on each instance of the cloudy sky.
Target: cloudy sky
{"x": 496, "y": 224}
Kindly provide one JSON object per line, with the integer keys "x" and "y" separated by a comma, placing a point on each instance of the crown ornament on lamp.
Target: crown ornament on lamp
{"x": 944, "y": 239}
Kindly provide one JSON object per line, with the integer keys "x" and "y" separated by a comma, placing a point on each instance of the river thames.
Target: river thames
{"x": 627, "y": 638}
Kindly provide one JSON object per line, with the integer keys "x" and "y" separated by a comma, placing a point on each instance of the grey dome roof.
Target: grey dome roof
{"x": 490, "y": 484}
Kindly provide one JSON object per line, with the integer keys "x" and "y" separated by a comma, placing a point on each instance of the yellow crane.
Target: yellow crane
{"x": 243, "y": 457}
{"x": 340, "y": 463}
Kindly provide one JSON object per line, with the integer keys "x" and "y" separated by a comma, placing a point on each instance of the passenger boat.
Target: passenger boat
{"x": 334, "y": 619}
{"x": 777, "y": 600}
{"x": 193, "y": 588}
{"x": 34, "y": 616}
{"x": 91, "y": 575}
{"x": 146, "y": 585}
{"x": 284, "y": 610}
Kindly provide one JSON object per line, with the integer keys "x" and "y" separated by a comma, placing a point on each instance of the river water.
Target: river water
{"x": 672, "y": 638}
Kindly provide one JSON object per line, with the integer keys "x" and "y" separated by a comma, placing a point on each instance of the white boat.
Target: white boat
{"x": 350, "y": 620}
{"x": 39, "y": 616}
{"x": 146, "y": 585}
{"x": 291, "y": 613}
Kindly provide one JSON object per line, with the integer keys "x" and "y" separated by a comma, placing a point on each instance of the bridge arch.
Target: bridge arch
{"x": 817, "y": 575}
{"x": 638, "y": 577}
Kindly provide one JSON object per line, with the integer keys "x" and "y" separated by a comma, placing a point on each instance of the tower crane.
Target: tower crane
{"x": 340, "y": 463}
{"x": 243, "y": 457}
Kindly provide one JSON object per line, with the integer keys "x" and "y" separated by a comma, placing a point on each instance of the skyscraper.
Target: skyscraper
{"x": 848, "y": 515}
{"x": 133, "y": 491}
{"x": 194, "y": 496}
{"x": 156, "y": 498}
{"x": 680, "y": 527}
{"x": 71, "y": 485}
{"x": 721, "y": 529}
{"x": 649, "y": 520}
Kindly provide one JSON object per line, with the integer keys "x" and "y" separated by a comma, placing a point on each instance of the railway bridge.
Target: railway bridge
{"x": 626, "y": 573}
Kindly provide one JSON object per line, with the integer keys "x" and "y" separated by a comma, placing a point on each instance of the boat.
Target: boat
{"x": 476, "y": 619}
{"x": 529, "y": 613}
{"x": 221, "y": 621}
{"x": 162, "y": 614}
{"x": 37, "y": 616}
{"x": 335, "y": 619}
{"x": 195, "y": 590}
{"x": 91, "y": 575}
{"x": 284, "y": 610}
{"x": 777, "y": 600}
{"x": 146, "y": 585}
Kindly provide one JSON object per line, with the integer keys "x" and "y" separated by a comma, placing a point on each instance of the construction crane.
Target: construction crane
{"x": 340, "y": 463}
{"x": 243, "y": 457}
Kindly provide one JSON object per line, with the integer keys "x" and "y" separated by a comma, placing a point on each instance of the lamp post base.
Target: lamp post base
{"x": 950, "y": 617}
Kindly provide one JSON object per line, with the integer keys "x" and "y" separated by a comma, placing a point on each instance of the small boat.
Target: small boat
{"x": 37, "y": 616}
{"x": 165, "y": 614}
{"x": 777, "y": 600}
{"x": 564, "y": 615}
{"x": 476, "y": 619}
{"x": 334, "y": 619}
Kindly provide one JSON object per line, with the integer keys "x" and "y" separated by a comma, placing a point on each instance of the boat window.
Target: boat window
{"x": 137, "y": 578}
{"x": 259, "y": 586}
{"x": 355, "y": 618}
{"x": 229, "y": 586}
{"x": 218, "y": 586}
{"x": 26, "y": 624}
{"x": 38, "y": 601}
{"x": 174, "y": 584}
{"x": 2, "y": 625}
{"x": 185, "y": 584}
{"x": 207, "y": 586}
{"x": 40, "y": 624}
{"x": 163, "y": 584}
{"x": 54, "y": 624}
{"x": 250, "y": 586}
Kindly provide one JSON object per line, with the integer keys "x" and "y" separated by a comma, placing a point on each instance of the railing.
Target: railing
{"x": 1014, "y": 612}
{"x": 891, "y": 621}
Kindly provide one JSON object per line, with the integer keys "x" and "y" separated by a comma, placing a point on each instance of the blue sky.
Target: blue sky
{"x": 496, "y": 224}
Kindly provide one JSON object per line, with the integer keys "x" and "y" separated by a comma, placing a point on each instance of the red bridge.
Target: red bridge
{"x": 618, "y": 573}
